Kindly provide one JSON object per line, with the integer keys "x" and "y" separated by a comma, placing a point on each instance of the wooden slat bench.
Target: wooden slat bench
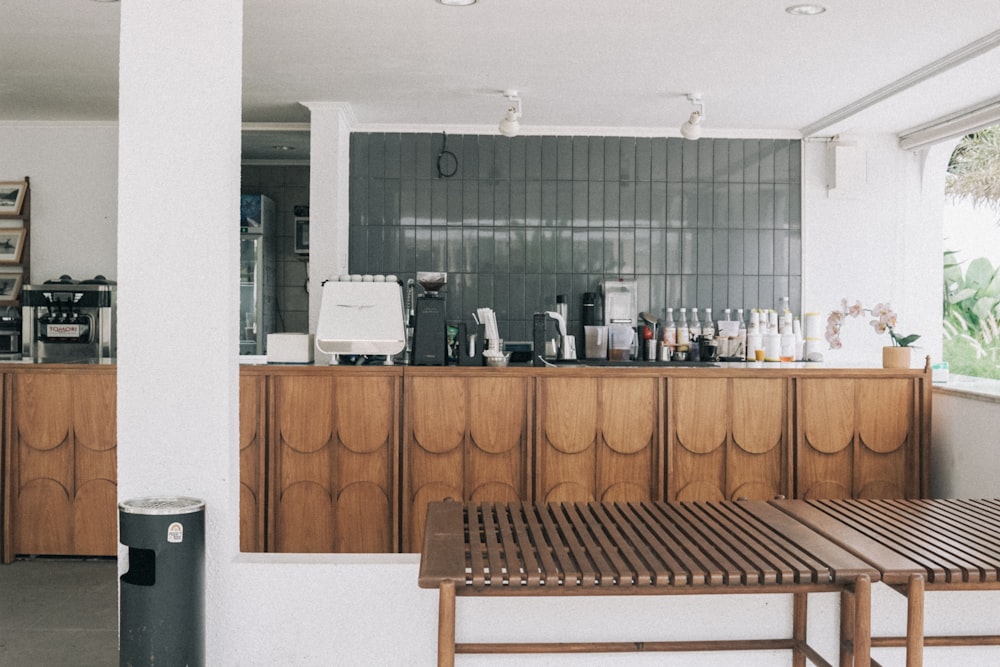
{"x": 521, "y": 549}
{"x": 917, "y": 546}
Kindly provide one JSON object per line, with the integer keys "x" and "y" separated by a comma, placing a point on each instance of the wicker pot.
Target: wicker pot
{"x": 896, "y": 357}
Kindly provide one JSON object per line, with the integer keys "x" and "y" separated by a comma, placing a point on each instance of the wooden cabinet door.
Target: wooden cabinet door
{"x": 62, "y": 443}
{"x": 727, "y": 438}
{"x": 466, "y": 439}
{"x": 252, "y": 461}
{"x": 857, "y": 438}
{"x": 597, "y": 439}
{"x": 333, "y": 453}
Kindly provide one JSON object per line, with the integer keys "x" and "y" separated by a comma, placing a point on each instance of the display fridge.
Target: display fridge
{"x": 258, "y": 272}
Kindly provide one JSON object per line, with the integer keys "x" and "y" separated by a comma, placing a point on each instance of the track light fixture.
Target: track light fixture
{"x": 691, "y": 129}
{"x": 511, "y": 125}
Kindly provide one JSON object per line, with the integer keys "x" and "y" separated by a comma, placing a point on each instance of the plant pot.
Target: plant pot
{"x": 896, "y": 357}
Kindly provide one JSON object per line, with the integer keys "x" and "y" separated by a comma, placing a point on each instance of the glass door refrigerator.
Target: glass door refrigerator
{"x": 258, "y": 269}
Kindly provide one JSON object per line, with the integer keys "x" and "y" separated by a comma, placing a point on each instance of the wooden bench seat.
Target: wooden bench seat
{"x": 917, "y": 546}
{"x": 521, "y": 549}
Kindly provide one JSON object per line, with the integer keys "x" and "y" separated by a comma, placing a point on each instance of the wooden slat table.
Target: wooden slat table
{"x": 917, "y": 546}
{"x": 521, "y": 549}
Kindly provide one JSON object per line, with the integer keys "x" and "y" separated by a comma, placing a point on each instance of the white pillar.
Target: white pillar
{"x": 329, "y": 192}
{"x": 178, "y": 244}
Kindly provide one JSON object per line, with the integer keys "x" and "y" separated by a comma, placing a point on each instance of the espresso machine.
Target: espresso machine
{"x": 69, "y": 321}
{"x": 428, "y": 319}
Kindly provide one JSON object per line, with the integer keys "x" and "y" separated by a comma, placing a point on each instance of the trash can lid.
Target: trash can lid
{"x": 162, "y": 505}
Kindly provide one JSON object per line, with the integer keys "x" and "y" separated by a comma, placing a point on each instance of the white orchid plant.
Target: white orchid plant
{"x": 883, "y": 320}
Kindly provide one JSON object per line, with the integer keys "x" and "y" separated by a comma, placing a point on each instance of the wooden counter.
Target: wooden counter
{"x": 347, "y": 458}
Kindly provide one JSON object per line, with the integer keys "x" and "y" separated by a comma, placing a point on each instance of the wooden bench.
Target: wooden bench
{"x": 917, "y": 546}
{"x": 521, "y": 549}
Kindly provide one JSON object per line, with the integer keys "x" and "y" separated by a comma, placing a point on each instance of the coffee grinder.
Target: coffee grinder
{"x": 430, "y": 330}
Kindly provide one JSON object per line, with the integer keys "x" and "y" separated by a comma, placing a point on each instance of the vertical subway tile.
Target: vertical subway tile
{"x": 689, "y": 206}
{"x": 566, "y": 249}
{"x": 455, "y": 250}
{"x": 689, "y": 251}
{"x": 658, "y": 159}
{"x": 795, "y": 252}
{"x": 675, "y": 159}
{"x": 564, "y": 158}
{"x": 720, "y": 251}
{"x": 795, "y": 162}
{"x": 736, "y": 252}
{"x": 438, "y": 249}
{"x": 470, "y": 202}
{"x": 689, "y": 292}
{"x": 643, "y": 251}
{"x": 550, "y": 158}
{"x": 751, "y": 293}
{"x": 390, "y": 250}
{"x": 609, "y": 249}
{"x": 439, "y": 202}
{"x": 689, "y": 161}
{"x": 720, "y": 296}
{"x": 392, "y": 155}
{"x": 612, "y": 204}
{"x": 407, "y": 201}
{"x": 735, "y": 172}
{"x": 626, "y": 159}
{"x": 782, "y": 159}
{"x": 407, "y": 155}
{"x": 626, "y": 263}
{"x": 533, "y": 158}
{"x": 453, "y": 201}
{"x": 766, "y": 161}
{"x": 564, "y": 203}
{"x": 515, "y": 294}
{"x": 705, "y": 291}
{"x": 735, "y": 205}
{"x": 358, "y": 204}
{"x": 533, "y": 202}
{"x": 626, "y": 203}
{"x": 501, "y": 295}
{"x": 501, "y": 250}
{"x": 581, "y": 251}
{"x": 751, "y": 253}
{"x": 374, "y": 242}
{"x": 643, "y": 200}
{"x": 518, "y": 158}
{"x": 781, "y": 289}
{"x": 720, "y": 160}
{"x": 766, "y": 252}
{"x": 470, "y": 250}
{"x": 581, "y": 158}
{"x": 407, "y": 250}
{"x": 517, "y": 202}
{"x": 675, "y": 251}
{"x": 595, "y": 204}
{"x": 765, "y": 292}
{"x": 391, "y": 197}
{"x": 517, "y": 251}
{"x": 751, "y": 161}
{"x": 675, "y": 205}
{"x": 720, "y": 205}
{"x": 484, "y": 248}
{"x": 674, "y": 294}
{"x": 595, "y": 168}
{"x": 547, "y": 248}
{"x": 658, "y": 251}
{"x": 705, "y": 252}
{"x": 781, "y": 206}
{"x": 766, "y": 203}
{"x": 426, "y": 163}
{"x": 501, "y": 202}
{"x": 581, "y": 203}
{"x": 549, "y": 203}
{"x": 706, "y": 161}
{"x": 376, "y": 201}
{"x": 486, "y": 159}
{"x": 795, "y": 206}
{"x": 422, "y": 255}
{"x": 643, "y": 159}
{"x": 782, "y": 252}
{"x": 485, "y": 290}
{"x": 485, "y": 202}
{"x": 735, "y": 297}
{"x": 751, "y": 206}
{"x": 658, "y": 204}
{"x": 706, "y": 201}
{"x": 501, "y": 157}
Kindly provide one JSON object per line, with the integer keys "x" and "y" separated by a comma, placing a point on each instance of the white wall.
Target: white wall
{"x": 74, "y": 194}
{"x": 876, "y": 242}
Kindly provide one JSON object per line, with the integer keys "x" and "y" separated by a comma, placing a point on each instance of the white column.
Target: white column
{"x": 178, "y": 244}
{"x": 329, "y": 192}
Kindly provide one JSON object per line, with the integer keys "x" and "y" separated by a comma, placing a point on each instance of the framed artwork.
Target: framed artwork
{"x": 11, "y": 245}
{"x": 12, "y": 196}
{"x": 10, "y": 285}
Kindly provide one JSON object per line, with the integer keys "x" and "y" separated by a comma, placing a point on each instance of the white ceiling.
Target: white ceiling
{"x": 582, "y": 66}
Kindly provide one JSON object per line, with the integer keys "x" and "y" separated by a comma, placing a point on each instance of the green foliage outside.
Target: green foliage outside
{"x": 970, "y": 318}
{"x": 972, "y": 295}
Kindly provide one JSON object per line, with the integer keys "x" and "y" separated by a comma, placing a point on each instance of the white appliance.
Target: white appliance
{"x": 361, "y": 315}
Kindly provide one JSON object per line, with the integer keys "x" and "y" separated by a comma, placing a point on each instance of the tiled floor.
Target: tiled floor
{"x": 59, "y": 612}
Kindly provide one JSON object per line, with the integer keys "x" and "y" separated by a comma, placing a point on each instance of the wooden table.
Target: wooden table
{"x": 521, "y": 549}
{"x": 917, "y": 546}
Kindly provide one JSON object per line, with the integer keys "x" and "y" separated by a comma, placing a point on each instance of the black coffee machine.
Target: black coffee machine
{"x": 430, "y": 329}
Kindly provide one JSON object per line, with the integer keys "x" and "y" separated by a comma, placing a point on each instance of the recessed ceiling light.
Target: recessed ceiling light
{"x": 283, "y": 148}
{"x": 805, "y": 10}
{"x": 457, "y": 3}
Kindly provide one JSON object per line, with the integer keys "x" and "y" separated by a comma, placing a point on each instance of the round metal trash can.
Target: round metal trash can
{"x": 162, "y": 599}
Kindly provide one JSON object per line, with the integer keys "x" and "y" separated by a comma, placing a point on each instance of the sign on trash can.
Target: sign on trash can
{"x": 162, "y": 614}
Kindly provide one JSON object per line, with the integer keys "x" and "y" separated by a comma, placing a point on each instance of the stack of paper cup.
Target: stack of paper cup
{"x": 813, "y": 349}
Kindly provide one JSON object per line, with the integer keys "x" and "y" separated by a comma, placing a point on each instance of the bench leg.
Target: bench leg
{"x": 446, "y": 624}
{"x": 915, "y": 621}
{"x": 855, "y": 624}
{"x": 800, "y": 614}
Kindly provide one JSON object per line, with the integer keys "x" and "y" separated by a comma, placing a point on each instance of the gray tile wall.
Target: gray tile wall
{"x": 708, "y": 223}
{"x": 288, "y": 186}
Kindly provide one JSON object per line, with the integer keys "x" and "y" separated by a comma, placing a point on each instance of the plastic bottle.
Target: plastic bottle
{"x": 741, "y": 337}
{"x": 668, "y": 336}
{"x": 683, "y": 333}
{"x": 694, "y": 336}
{"x": 708, "y": 328}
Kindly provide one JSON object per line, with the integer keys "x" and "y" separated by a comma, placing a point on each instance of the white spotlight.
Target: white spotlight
{"x": 691, "y": 129}
{"x": 511, "y": 125}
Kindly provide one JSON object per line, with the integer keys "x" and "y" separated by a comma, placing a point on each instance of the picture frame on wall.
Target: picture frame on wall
{"x": 12, "y": 197}
{"x": 10, "y": 285}
{"x": 11, "y": 245}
